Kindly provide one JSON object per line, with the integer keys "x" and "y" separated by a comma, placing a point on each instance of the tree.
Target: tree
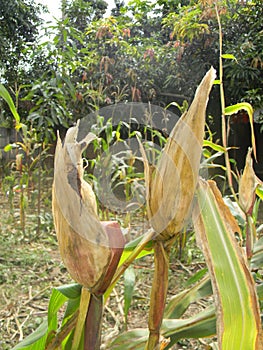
{"x": 82, "y": 12}
{"x": 244, "y": 38}
{"x": 20, "y": 21}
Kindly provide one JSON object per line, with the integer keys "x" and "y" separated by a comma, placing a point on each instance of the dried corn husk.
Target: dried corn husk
{"x": 90, "y": 250}
{"x": 247, "y": 185}
{"x": 171, "y": 185}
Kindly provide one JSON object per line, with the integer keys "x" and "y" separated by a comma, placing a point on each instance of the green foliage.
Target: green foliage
{"x": 146, "y": 52}
{"x": 82, "y": 12}
{"x": 243, "y": 37}
{"x": 30, "y": 153}
{"x": 50, "y": 109}
{"x": 20, "y": 21}
{"x": 6, "y": 96}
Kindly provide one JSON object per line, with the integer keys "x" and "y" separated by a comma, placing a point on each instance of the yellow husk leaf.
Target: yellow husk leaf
{"x": 171, "y": 186}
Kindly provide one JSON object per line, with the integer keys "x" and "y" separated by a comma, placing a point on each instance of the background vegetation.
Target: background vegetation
{"x": 144, "y": 52}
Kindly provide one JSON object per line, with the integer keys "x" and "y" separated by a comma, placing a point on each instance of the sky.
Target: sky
{"x": 54, "y": 5}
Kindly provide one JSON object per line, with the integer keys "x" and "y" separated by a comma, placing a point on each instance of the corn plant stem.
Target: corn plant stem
{"x": 92, "y": 333}
{"x": 222, "y": 100}
{"x": 83, "y": 309}
{"x": 250, "y": 235}
{"x": 158, "y": 295}
{"x": 147, "y": 238}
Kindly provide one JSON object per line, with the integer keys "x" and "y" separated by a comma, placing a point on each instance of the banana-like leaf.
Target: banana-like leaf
{"x": 238, "y": 319}
{"x": 6, "y": 96}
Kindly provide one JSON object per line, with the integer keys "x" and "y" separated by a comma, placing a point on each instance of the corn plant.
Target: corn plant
{"x": 26, "y": 171}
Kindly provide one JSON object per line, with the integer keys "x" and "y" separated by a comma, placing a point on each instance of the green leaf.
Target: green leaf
{"x": 60, "y": 295}
{"x": 259, "y": 192}
{"x": 257, "y": 258}
{"x": 200, "y": 325}
{"x": 237, "y": 311}
{"x": 196, "y": 277}
{"x": 260, "y": 292}
{"x": 72, "y": 306}
{"x": 214, "y": 146}
{"x": 239, "y": 107}
{"x": 131, "y": 340}
{"x": 230, "y": 110}
{"x": 71, "y": 291}
{"x": 180, "y": 302}
{"x": 129, "y": 247}
{"x": 36, "y": 340}
{"x": 236, "y": 211}
{"x": 57, "y": 299}
{"x": 217, "y": 82}
{"x": 228, "y": 56}
{"x": 6, "y": 96}
{"x": 129, "y": 283}
{"x": 10, "y": 146}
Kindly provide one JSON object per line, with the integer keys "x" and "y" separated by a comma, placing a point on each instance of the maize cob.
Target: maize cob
{"x": 171, "y": 185}
{"x": 89, "y": 249}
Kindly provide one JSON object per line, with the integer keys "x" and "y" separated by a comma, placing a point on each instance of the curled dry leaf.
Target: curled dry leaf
{"x": 171, "y": 185}
{"x": 90, "y": 249}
